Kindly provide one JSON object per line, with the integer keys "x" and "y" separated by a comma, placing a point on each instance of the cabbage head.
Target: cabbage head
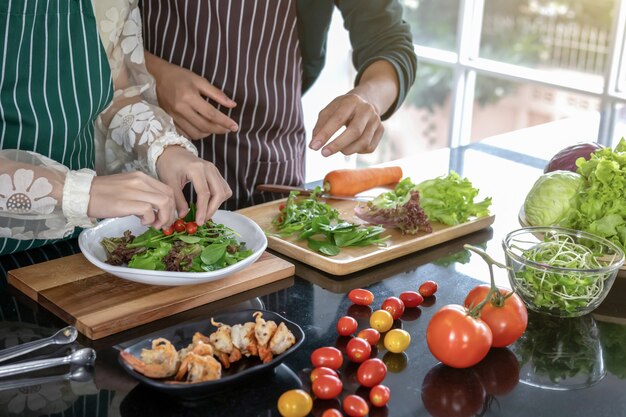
{"x": 553, "y": 198}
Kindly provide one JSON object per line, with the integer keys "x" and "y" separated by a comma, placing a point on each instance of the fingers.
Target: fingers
{"x": 368, "y": 141}
{"x": 189, "y": 130}
{"x": 353, "y": 133}
{"x": 221, "y": 190}
{"x": 212, "y": 117}
{"x": 330, "y": 120}
{"x": 209, "y": 90}
{"x": 181, "y": 203}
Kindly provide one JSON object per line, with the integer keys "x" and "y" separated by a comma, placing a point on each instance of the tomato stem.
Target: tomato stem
{"x": 494, "y": 295}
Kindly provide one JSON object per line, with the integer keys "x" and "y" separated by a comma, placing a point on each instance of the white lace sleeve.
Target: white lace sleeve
{"x": 40, "y": 198}
{"x": 132, "y": 133}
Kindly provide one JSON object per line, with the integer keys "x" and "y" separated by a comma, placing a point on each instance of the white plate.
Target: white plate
{"x": 89, "y": 242}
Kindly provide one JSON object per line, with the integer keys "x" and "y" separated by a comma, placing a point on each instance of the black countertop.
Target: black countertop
{"x": 566, "y": 367}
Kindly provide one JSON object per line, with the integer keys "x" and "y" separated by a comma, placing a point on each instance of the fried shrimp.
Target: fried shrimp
{"x": 159, "y": 362}
{"x": 282, "y": 340}
{"x": 263, "y": 331}
{"x": 221, "y": 340}
{"x": 244, "y": 339}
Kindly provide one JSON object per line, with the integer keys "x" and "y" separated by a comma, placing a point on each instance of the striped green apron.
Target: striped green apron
{"x": 54, "y": 81}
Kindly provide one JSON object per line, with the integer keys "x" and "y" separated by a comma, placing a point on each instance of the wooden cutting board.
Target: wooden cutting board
{"x": 354, "y": 259}
{"x": 99, "y": 304}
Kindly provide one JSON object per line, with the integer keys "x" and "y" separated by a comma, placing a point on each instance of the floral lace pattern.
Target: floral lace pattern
{"x": 134, "y": 120}
{"x": 20, "y": 194}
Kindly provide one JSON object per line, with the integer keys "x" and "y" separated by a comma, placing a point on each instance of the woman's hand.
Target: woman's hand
{"x": 132, "y": 193}
{"x": 182, "y": 94}
{"x": 177, "y": 166}
{"x": 364, "y": 128}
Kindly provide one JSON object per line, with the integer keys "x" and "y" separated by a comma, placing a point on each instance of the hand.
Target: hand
{"x": 132, "y": 193}
{"x": 177, "y": 166}
{"x": 182, "y": 94}
{"x": 364, "y": 128}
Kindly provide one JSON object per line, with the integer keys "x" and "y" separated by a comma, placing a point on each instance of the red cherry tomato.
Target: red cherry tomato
{"x": 329, "y": 357}
{"x": 361, "y": 297}
{"x": 332, "y": 412}
{"x": 411, "y": 299}
{"x": 317, "y": 372}
{"x": 179, "y": 225}
{"x": 393, "y": 305}
{"x": 428, "y": 288}
{"x": 379, "y": 395}
{"x": 449, "y": 392}
{"x": 191, "y": 228}
{"x": 507, "y": 318}
{"x": 498, "y": 372}
{"x": 347, "y": 325}
{"x": 371, "y": 372}
{"x": 327, "y": 387}
{"x": 355, "y": 406}
{"x": 281, "y": 206}
{"x": 358, "y": 350}
{"x": 168, "y": 231}
{"x": 371, "y": 335}
{"x": 456, "y": 338}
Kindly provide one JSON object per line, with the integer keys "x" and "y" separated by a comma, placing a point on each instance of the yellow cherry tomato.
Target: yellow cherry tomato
{"x": 397, "y": 340}
{"x": 295, "y": 403}
{"x": 381, "y": 320}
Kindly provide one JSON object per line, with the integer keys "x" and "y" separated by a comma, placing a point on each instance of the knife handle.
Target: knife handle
{"x": 277, "y": 188}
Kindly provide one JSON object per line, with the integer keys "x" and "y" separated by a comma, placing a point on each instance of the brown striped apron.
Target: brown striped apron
{"x": 249, "y": 49}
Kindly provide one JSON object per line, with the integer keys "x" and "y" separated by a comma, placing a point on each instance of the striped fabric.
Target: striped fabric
{"x": 249, "y": 49}
{"x": 54, "y": 81}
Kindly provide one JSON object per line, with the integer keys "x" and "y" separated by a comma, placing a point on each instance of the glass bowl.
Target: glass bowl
{"x": 561, "y": 272}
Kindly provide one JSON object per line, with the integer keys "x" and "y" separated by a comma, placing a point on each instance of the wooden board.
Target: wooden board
{"x": 99, "y": 304}
{"x": 350, "y": 260}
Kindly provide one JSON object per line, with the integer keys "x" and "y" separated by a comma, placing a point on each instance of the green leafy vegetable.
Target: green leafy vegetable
{"x": 613, "y": 338}
{"x": 553, "y": 198}
{"x": 319, "y": 224}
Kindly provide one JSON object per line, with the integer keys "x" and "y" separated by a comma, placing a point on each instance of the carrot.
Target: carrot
{"x": 349, "y": 182}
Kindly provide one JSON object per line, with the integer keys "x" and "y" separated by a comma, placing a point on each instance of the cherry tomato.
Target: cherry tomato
{"x": 355, "y": 406}
{"x": 428, "y": 288}
{"x": 168, "y": 231}
{"x": 393, "y": 305}
{"x": 295, "y": 403}
{"x": 281, "y": 206}
{"x": 411, "y": 299}
{"x": 327, "y": 387}
{"x": 449, "y": 392}
{"x": 327, "y": 356}
{"x": 381, "y": 320}
{"x": 498, "y": 372}
{"x": 322, "y": 370}
{"x": 346, "y": 326}
{"x": 332, "y": 412}
{"x": 358, "y": 350}
{"x": 371, "y": 335}
{"x": 397, "y": 340}
{"x": 457, "y": 339}
{"x": 371, "y": 372}
{"x": 379, "y": 395}
{"x": 361, "y": 297}
{"x": 179, "y": 225}
{"x": 191, "y": 228}
{"x": 507, "y": 318}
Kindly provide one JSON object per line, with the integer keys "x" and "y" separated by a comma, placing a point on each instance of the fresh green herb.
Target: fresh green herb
{"x": 319, "y": 224}
{"x": 212, "y": 247}
{"x": 567, "y": 291}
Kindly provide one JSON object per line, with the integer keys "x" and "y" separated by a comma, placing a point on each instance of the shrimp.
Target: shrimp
{"x": 159, "y": 362}
{"x": 221, "y": 340}
{"x": 243, "y": 338}
{"x": 199, "y": 364}
{"x": 263, "y": 331}
{"x": 282, "y": 340}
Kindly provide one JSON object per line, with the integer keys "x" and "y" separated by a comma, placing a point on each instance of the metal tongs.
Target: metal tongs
{"x": 81, "y": 357}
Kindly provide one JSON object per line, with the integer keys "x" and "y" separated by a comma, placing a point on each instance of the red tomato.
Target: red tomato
{"x": 191, "y": 228}
{"x": 327, "y": 387}
{"x": 371, "y": 335}
{"x": 371, "y": 372}
{"x": 168, "y": 231}
{"x": 379, "y": 395}
{"x": 507, "y": 318}
{"x": 395, "y": 306}
{"x": 327, "y": 356}
{"x": 361, "y": 297}
{"x": 428, "y": 288}
{"x": 449, "y": 392}
{"x": 322, "y": 370}
{"x": 179, "y": 225}
{"x": 281, "y": 206}
{"x": 457, "y": 339}
{"x": 355, "y": 406}
{"x": 411, "y": 299}
{"x": 332, "y": 412}
{"x": 346, "y": 326}
{"x": 498, "y": 372}
{"x": 358, "y": 350}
